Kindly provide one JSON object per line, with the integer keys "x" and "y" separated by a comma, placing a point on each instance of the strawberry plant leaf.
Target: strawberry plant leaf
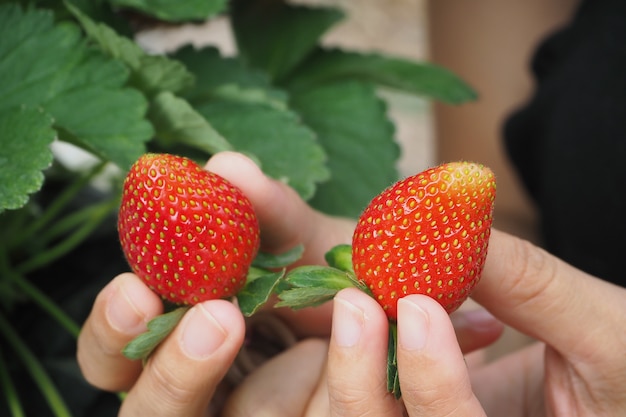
{"x": 298, "y": 298}
{"x": 257, "y": 292}
{"x": 286, "y": 148}
{"x": 148, "y": 73}
{"x": 311, "y": 276}
{"x": 224, "y": 77}
{"x": 271, "y": 261}
{"x": 312, "y": 285}
{"x": 158, "y": 329}
{"x": 175, "y": 121}
{"x": 175, "y": 11}
{"x": 25, "y": 152}
{"x": 48, "y": 65}
{"x": 275, "y": 36}
{"x": 243, "y": 107}
{"x": 340, "y": 257}
{"x": 352, "y": 126}
{"x": 420, "y": 78}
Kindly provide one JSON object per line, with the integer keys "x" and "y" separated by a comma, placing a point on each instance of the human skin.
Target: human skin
{"x": 181, "y": 377}
{"x": 575, "y": 368}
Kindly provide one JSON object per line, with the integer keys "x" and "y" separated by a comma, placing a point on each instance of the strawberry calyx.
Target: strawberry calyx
{"x": 263, "y": 280}
{"x": 313, "y": 285}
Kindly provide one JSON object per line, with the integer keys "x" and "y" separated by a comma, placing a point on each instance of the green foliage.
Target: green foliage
{"x": 23, "y": 160}
{"x": 275, "y": 36}
{"x": 158, "y": 328}
{"x": 174, "y": 11}
{"x": 72, "y": 72}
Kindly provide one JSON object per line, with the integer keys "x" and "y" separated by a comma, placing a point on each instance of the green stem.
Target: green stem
{"x": 57, "y": 205}
{"x": 47, "y": 304}
{"x": 10, "y": 392}
{"x": 71, "y": 221}
{"x": 35, "y": 369}
{"x": 71, "y": 242}
{"x": 393, "y": 381}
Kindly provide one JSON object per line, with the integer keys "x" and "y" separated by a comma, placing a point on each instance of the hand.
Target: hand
{"x": 178, "y": 382}
{"x": 185, "y": 371}
{"x": 575, "y": 369}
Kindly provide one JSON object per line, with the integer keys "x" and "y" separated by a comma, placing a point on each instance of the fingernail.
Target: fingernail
{"x": 413, "y": 325}
{"x": 122, "y": 313}
{"x": 480, "y": 319}
{"x": 348, "y": 321}
{"x": 202, "y": 334}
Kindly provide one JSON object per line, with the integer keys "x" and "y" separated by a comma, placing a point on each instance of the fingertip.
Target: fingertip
{"x": 130, "y": 304}
{"x": 239, "y": 170}
{"x": 433, "y": 374}
{"x": 476, "y": 328}
{"x": 357, "y": 356}
{"x": 358, "y": 299}
{"x": 181, "y": 376}
{"x": 120, "y": 312}
{"x": 423, "y": 322}
{"x": 207, "y": 326}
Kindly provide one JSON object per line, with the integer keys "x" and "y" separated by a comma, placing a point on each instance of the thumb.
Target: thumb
{"x": 433, "y": 374}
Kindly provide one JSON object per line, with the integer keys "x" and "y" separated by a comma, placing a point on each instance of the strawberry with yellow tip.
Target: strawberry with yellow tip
{"x": 427, "y": 234}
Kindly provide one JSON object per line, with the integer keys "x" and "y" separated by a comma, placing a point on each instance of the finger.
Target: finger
{"x": 180, "y": 377}
{"x": 357, "y": 359}
{"x": 433, "y": 375}
{"x": 285, "y": 219}
{"x": 283, "y": 386}
{"x": 475, "y": 329}
{"x": 548, "y": 299}
{"x": 120, "y": 312}
{"x": 516, "y": 378}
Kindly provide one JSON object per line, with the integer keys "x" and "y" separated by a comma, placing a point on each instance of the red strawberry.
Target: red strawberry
{"x": 427, "y": 234}
{"x": 189, "y": 233}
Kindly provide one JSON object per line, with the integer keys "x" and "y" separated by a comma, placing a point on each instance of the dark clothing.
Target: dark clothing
{"x": 569, "y": 142}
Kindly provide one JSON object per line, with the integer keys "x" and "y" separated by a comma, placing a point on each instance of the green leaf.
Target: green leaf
{"x": 43, "y": 64}
{"x": 227, "y": 78}
{"x": 340, "y": 257}
{"x": 175, "y": 121}
{"x": 257, "y": 292}
{"x": 149, "y": 73}
{"x": 312, "y": 285}
{"x": 275, "y": 36}
{"x": 352, "y": 126}
{"x": 420, "y": 78}
{"x": 318, "y": 276}
{"x": 287, "y": 149}
{"x": 158, "y": 329}
{"x": 25, "y": 151}
{"x": 175, "y": 11}
{"x": 281, "y": 260}
{"x": 298, "y": 298}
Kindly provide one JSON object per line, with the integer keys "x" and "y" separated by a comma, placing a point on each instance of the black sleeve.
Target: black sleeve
{"x": 569, "y": 142}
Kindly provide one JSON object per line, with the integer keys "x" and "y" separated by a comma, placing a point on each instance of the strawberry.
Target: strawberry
{"x": 427, "y": 234}
{"x": 188, "y": 233}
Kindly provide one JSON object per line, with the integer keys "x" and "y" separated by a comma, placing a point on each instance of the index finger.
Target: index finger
{"x": 120, "y": 312}
{"x": 548, "y": 299}
{"x": 286, "y": 220}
